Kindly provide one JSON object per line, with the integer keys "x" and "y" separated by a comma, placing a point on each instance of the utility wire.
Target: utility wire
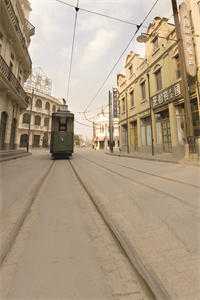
{"x": 72, "y": 50}
{"x": 121, "y": 55}
{"x": 98, "y": 13}
{"x": 80, "y": 123}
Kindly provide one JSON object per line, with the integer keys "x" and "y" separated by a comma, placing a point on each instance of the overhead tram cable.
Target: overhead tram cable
{"x": 72, "y": 49}
{"x": 98, "y": 13}
{"x": 119, "y": 58}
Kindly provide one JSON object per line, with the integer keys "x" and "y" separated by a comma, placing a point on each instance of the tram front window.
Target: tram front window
{"x": 62, "y": 124}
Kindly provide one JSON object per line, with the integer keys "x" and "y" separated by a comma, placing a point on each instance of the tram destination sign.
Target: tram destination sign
{"x": 168, "y": 95}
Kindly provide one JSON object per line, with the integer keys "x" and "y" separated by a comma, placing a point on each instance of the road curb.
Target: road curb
{"x": 12, "y": 222}
{"x": 14, "y": 157}
{"x": 182, "y": 162}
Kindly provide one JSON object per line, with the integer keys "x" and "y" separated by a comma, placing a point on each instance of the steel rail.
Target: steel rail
{"x": 141, "y": 183}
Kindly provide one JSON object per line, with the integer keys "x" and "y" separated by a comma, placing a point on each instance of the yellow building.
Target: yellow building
{"x": 150, "y": 95}
{"x": 15, "y": 66}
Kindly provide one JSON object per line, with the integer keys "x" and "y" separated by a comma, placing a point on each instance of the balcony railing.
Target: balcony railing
{"x": 30, "y": 28}
{"x": 15, "y": 22}
{"x": 10, "y": 77}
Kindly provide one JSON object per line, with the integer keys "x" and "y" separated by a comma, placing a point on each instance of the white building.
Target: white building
{"x": 40, "y": 127}
{"x": 15, "y": 66}
{"x": 101, "y": 134}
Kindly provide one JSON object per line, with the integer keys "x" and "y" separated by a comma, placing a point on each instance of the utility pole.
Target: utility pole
{"x": 127, "y": 131}
{"x": 29, "y": 125}
{"x": 151, "y": 115}
{"x": 184, "y": 75}
{"x": 110, "y": 123}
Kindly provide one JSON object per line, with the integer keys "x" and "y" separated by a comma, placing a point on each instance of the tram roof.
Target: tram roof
{"x": 62, "y": 114}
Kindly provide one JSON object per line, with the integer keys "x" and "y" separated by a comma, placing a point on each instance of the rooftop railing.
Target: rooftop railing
{"x": 12, "y": 80}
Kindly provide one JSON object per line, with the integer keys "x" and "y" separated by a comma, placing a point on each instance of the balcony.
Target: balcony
{"x": 12, "y": 83}
{"x": 14, "y": 20}
{"x": 30, "y": 28}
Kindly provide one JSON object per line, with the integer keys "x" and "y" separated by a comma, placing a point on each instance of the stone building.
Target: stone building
{"x": 101, "y": 134}
{"x": 15, "y": 66}
{"x": 150, "y": 95}
{"x": 40, "y": 128}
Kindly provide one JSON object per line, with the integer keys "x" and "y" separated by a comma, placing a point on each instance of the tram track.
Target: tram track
{"x": 9, "y": 235}
{"x": 184, "y": 202}
{"x": 135, "y": 263}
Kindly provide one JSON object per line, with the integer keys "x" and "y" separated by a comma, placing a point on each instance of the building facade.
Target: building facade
{"x": 39, "y": 115}
{"x": 15, "y": 66}
{"x": 101, "y": 135}
{"x": 151, "y": 95}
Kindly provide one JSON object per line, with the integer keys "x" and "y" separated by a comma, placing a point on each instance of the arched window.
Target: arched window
{"x": 26, "y": 118}
{"x": 38, "y": 103}
{"x": 46, "y": 122}
{"x": 54, "y": 108}
{"x": 47, "y": 106}
{"x": 37, "y": 120}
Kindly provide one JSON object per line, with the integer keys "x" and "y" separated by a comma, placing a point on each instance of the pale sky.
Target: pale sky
{"x": 99, "y": 42}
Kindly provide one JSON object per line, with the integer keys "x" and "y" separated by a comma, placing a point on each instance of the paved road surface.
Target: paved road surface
{"x": 64, "y": 250}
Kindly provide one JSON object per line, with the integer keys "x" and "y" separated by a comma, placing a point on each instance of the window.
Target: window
{"x": 178, "y": 69}
{"x": 46, "y": 122}
{"x": 123, "y": 105}
{"x": 158, "y": 76}
{"x": 132, "y": 99}
{"x": 155, "y": 44}
{"x": 47, "y": 106}
{"x": 143, "y": 90}
{"x": 54, "y": 108}
{"x": 37, "y": 120}
{"x": 26, "y": 118}
{"x": 130, "y": 71}
{"x": 38, "y": 103}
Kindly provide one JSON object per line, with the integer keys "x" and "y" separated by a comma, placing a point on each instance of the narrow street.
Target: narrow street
{"x": 98, "y": 222}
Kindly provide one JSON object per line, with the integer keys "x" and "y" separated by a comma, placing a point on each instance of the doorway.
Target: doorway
{"x": 13, "y": 134}
{"x": 3, "y": 125}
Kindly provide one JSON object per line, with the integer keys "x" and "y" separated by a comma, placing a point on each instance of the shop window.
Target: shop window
{"x": 146, "y": 132}
{"x": 158, "y": 76}
{"x": 37, "y": 120}
{"x": 47, "y": 106}
{"x": 143, "y": 90}
{"x": 132, "y": 102}
{"x": 26, "y": 118}
{"x": 195, "y": 118}
{"x": 38, "y": 103}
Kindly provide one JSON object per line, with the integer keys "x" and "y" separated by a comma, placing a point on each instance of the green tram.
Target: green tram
{"x": 62, "y": 133}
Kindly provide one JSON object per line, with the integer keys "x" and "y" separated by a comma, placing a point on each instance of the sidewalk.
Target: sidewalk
{"x": 12, "y": 154}
{"x": 163, "y": 157}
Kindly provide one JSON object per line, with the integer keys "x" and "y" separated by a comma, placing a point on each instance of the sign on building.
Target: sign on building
{"x": 168, "y": 95}
{"x": 115, "y": 103}
{"x": 187, "y": 36}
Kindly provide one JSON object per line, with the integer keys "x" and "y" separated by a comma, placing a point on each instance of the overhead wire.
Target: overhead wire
{"x": 98, "y": 13}
{"x": 72, "y": 50}
{"x": 119, "y": 58}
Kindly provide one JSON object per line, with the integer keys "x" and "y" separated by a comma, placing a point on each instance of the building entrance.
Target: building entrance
{"x": 36, "y": 141}
{"x": 3, "y": 124}
{"x": 13, "y": 134}
{"x": 166, "y": 135}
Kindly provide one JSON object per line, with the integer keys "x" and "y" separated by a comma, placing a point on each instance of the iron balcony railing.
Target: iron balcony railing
{"x": 12, "y": 80}
{"x": 15, "y": 22}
